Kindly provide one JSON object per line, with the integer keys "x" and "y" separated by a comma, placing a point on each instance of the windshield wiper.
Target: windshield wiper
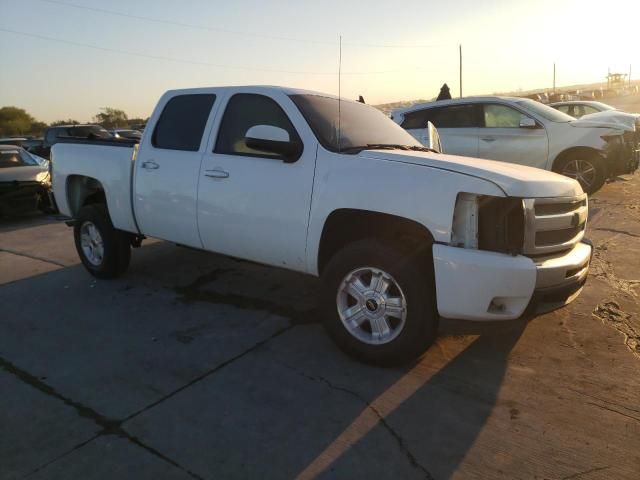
{"x": 385, "y": 146}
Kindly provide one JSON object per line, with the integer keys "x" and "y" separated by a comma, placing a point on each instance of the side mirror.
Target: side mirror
{"x": 527, "y": 122}
{"x": 433, "y": 138}
{"x": 268, "y": 138}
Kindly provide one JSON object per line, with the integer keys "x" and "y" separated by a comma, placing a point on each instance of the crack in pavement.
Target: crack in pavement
{"x": 609, "y": 312}
{"x": 108, "y": 426}
{"x": 404, "y": 448}
{"x": 579, "y": 474}
{"x": 115, "y": 427}
{"x": 33, "y": 257}
{"x": 595, "y": 397}
{"x": 614, "y": 411}
{"x": 614, "y": 230}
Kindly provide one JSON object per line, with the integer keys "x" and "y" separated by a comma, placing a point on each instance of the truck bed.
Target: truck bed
{"x": 110, "y": 162}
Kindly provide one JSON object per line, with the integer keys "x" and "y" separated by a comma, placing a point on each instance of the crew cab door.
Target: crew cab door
{"x": 251, "y": 203}
{"x": 457, "y": 125}
{"x": 167, "y": 169}
{"x": 512, "y": 136}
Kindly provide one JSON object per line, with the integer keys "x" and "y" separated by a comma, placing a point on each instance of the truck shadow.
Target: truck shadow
{"x": 435, "y": 409}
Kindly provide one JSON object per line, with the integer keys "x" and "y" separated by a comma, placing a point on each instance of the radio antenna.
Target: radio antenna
{"x": 339, "y": 88}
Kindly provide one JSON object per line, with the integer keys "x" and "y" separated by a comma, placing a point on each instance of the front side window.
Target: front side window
{"x": 182, "y": 122}
{"x": 501, "y": 116}
{"x": 246, "y": 110}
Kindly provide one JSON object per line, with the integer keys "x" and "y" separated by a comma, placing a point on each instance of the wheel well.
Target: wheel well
{"x": 82, "y": 190}
{"x": 570, "y": 152}
{"x": 345, "y": 226}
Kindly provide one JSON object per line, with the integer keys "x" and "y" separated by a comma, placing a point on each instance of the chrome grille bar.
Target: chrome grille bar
{"x": 547, "y": 231}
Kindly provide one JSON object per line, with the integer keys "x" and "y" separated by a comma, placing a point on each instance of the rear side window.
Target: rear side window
{"x": 181, "y": 123}
{"x": 453, "y": 116}
{"x": 246, "y": 110}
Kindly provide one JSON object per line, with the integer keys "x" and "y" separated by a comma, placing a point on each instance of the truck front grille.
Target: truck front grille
{"x": 553, "y": 224}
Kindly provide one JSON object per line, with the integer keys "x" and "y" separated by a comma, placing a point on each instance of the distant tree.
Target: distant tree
{"x": 111, "y": 118}
{"x": 134, "y": 122}
{"x": 37, "y": 128}
{"x": 14, "y": 121}
{"x": 69, "y": 121}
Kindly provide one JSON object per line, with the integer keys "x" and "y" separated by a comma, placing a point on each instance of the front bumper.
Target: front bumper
{"x": 480, "y": 285}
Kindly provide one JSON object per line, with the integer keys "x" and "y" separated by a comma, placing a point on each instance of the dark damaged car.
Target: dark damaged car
{"x": 24, "y": 182}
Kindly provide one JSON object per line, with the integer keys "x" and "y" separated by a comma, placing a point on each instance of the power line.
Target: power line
{"x": 228, "y": 31}
{"x": 193, "y": 62}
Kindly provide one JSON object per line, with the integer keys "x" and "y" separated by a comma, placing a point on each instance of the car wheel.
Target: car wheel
{"x": 105, "y": 251}
{"x": 586, "y": 169}
{"x": 379, "y": 307}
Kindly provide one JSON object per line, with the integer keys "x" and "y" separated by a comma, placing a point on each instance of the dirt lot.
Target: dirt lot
{"x": 197, "y": 366}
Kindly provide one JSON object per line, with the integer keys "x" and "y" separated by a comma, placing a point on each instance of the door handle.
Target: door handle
{"x": 150, "y": 165}
{"x": 488, "y": 139}
{"x": 216, "y": 174}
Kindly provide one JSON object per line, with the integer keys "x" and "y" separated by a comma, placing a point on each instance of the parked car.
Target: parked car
{"x": 126, "y": 133}
{"x": 16, "y": 141}
{"x": 24, "y": 182}
{"x": 579, "y": 108}
{"x": 70, "y": 133}
{"x": 526, "y": 132}
{"x": 399, "y": 233}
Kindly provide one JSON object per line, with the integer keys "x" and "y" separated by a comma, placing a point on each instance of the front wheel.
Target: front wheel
{"x": 379, "y": 305}
{"x": 104, "y": 251}
{"x": 587, "y": 169}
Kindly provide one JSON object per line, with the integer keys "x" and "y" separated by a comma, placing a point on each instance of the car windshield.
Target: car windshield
{"x": 16, "y": 158}
{"x": 600, "y": 106}
{"x": 544, "y": 111}
{"x": 360, "y": 125}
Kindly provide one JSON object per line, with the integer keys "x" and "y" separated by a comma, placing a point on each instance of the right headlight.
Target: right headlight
{"x": 489, "y": 223}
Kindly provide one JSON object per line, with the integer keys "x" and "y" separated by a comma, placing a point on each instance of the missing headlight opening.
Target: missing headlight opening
{"x": 501, "y": 225}
{"x": 494, "y": 224}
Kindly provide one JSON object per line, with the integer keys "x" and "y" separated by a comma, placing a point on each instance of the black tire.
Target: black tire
{"x": 564, "y": 165}
{"x": 116, "y": 244}
{"x": 416, "y": 282}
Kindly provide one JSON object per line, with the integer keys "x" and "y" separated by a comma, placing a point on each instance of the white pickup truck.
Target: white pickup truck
{"x": 399, "y": 233}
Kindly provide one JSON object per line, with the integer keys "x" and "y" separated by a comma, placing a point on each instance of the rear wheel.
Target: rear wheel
{"x": 104, "y": 251}
{"x": 379, "y": 306}
{"x": 586, "y": 168}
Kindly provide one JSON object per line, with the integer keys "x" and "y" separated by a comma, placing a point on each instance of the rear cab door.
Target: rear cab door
{"x": 457, "y": 126}
{"x": 252, "y": 204}
{"x": 167, "y": 168}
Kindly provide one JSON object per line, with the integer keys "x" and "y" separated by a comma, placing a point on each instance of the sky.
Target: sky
{"x": 65, "y": 59}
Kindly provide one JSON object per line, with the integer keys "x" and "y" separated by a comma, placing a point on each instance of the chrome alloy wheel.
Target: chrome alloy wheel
{"x": 581, "y": 170}
{"x": 92, "y": 243}
{"x": 371, "y": 305}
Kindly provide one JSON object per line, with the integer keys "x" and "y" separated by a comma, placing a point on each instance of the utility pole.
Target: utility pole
{"x": 629, "y": 75}
{"x": 460, "y": 70}
{"x": 554, "y": 77}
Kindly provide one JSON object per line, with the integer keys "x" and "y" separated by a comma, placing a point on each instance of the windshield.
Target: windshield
{"x": 600, "y": 106}
{"x": 360, "y": 124}
{"x": 544, "y": 111}
{"x": 16, "y": 158}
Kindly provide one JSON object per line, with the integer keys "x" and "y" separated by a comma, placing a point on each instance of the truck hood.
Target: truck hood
{"x": 515, "y": 180}
{"x": 608, "y": 119}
